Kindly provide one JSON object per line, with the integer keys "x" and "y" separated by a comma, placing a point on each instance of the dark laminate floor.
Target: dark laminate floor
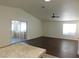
{"x": 58, "y": 47}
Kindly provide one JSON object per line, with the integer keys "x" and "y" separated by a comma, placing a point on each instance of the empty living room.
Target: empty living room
{"x": 39, "y": 29}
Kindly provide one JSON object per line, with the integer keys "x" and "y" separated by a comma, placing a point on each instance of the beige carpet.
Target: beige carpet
{"x": 49, "y": 56}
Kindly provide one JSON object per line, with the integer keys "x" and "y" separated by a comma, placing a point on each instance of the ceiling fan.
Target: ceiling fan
{"x": 55, "y": 16}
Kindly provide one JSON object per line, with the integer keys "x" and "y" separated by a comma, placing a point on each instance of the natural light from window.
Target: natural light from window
{"x": 23, "y": 27}
{"x": 18, "y": 26}
{"x": 69, "y": 29}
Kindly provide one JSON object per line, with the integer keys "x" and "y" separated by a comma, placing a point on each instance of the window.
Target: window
{"x": 69, "y": 29}
{"x": 18, "y": 26}
{"x": 15, "y": 26}
{"x": 23, "y": 27}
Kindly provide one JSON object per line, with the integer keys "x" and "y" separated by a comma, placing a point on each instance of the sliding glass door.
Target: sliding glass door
{"x": 18, "y": 31}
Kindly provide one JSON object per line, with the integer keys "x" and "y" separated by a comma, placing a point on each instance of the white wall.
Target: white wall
{"x": 7, "y": 14}
{"x": 55, "y": 29}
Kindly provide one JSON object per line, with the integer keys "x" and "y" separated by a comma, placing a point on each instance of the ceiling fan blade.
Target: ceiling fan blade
{"x": 55, "y": 16}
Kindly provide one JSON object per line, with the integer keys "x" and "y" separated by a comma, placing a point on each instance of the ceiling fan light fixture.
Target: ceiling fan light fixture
{"x": 47, "y": 0}
{"x": 54, "y": 16}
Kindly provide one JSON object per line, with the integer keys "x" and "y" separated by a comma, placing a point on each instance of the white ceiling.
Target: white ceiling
{"x": 68, "y": 10}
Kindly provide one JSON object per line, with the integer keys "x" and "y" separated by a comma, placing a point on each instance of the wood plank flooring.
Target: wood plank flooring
{"x": 62, "y": 48}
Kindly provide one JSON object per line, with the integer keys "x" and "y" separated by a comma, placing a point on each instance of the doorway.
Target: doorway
{"x": 18, "y": 30}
